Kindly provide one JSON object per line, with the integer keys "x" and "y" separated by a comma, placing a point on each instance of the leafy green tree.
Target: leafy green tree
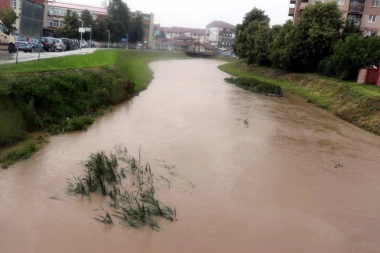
{"x": 313, "y": 37}
{"x": 350, "y": 55}
{"x": 8, "y": 17}
{"x": 161, "y": 34}
{"x": 278, "y": 55}
{"x": 87, "y": 18}
{"x": 350, "y": 28}
{"x": 136, "y": 31}
{"x": 99, "y": 30}
{"x": 71, "y": 25}
{"x": 244, "y": 45}
{"x": 118, "y": 15}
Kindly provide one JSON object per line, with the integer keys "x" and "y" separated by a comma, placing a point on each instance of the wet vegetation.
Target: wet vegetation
{"x": 358, "y": 104}
{"x": 255, "y": 85}
{"x": 66, "y": 94}
{"x": 129, "y": 186}
{"x": 20, "y": 153}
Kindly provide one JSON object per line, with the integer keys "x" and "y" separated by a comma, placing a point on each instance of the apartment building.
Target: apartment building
{"x": 364, "y": 13}
{"x": 193, "y": 33}
{"x": 148, "y": 26}
{"x": 16, "y": 6}
{"x": 221, "y": 35}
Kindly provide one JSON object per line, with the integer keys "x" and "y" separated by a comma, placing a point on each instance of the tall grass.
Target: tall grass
{"x": 129, "y": 186}
{"x": 17, "y": 154}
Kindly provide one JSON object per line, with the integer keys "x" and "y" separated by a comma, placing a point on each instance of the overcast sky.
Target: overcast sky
{"x": 199, "y": 13}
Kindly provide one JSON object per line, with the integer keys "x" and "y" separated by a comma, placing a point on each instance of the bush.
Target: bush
{"x": 255, "y": 85}
{"x": 18, "y": 154}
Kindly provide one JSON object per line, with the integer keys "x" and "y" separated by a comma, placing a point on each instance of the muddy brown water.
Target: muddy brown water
{"x": 248, "y": 173}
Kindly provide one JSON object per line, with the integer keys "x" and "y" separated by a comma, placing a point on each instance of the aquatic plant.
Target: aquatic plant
{"x": 127, "y": 183}
{"x": 255, "y": 85}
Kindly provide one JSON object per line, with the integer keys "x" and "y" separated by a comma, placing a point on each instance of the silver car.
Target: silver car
{"x": 59, "y": 44}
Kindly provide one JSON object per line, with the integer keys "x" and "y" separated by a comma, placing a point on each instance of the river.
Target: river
{"x": 252, "y": 174}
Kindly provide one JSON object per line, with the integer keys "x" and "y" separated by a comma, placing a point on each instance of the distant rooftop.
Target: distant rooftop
{"x": 221, "y": 24}
{"x": 175, "y": 29}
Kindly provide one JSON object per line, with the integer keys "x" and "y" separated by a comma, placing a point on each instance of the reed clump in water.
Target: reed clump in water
{"x": 127, "y": 183}
{"x": 255, "y": 85}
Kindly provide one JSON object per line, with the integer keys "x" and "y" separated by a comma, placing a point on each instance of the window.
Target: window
{"x": 50, "y": 11}
{"x": 340, "y": 2}
{"x": 61, "y": 23}
{"x": 375, "y": 3}
{"x": 2, "y": 28}
{"x": 368, "y": 33}
{"x": 372, "y": 18}
{"x": 13, "y": 4}
{"x": 49, "y": 22}
{"x": 56, "y": 23}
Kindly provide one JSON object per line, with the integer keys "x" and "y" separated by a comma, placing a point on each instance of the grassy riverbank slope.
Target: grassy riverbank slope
{"x": 66, "y": 93}
{"x": 358, "y": 104}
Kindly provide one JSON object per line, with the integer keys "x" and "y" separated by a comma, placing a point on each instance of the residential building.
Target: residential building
{"x": 148, "y": 26}
{"x": 364, "y": 13}
{"x": 193, "y": 33}
{"x": 55, "y": 12}
{"x": 16, "y": 6}
{"x": 221, "y": 35}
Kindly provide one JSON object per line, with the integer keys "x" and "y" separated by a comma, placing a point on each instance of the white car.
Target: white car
{"x": 7, "y": 41}
{"x": 59, "y": 44}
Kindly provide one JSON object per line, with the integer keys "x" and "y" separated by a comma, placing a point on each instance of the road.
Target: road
{"x": 6, "y": 57}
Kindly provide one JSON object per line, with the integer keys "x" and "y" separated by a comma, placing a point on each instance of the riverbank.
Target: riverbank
{"x": 358, "y": 104}
{"x": 66, "y": 94}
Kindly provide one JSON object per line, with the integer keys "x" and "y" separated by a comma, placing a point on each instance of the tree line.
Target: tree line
{"x": 118, "y": 22}
{"x": 319, "y": 40}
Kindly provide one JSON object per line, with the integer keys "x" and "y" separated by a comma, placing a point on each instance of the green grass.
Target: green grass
{"x": 66, "y": 93}
{"x": 17, "y": 154}
{"x": 358, "y": 104}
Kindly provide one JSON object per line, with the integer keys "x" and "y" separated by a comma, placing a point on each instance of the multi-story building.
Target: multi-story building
{"x": 16, "y": 6}
{"x": 221, "y": 35}
{"x": 193, "y": 33}
{"x": 364, "y": 13}
{"x": 55, "y": 12}
{"x": 148, "y": 26}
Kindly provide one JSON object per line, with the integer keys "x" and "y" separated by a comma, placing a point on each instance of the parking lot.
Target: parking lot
{"x": 6, "y": 57}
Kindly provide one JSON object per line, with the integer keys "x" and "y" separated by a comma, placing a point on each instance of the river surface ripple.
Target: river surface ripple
{"x": 252, "y": 174}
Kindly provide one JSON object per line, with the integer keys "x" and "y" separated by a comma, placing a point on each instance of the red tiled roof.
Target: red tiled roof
{"x": 221, "y": 24}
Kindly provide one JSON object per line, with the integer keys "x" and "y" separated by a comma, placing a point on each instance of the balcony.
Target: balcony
{"x": 291, "y": 12}
{"x": 356, "y": 6}
{"x": 293, "y": 1}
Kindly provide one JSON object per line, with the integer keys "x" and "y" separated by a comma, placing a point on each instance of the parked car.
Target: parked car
{"x": 75, "y": 43}
{"x": 28, "y": 44}
{"x": 48, "y": 44}
{"x": 67, "y": 43}
{"x": 7, "y": 41}
{"x": 59, "y": 45}
{"x": 83, "y": 44}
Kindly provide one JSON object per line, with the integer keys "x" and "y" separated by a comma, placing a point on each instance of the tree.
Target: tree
{"x": 161, "y": 34}
{"x": 118, "y": 15}
{"x": 8, "y": 17}
{"x": 87, "y": 18}
{"x": 313, "y": 36}
{"x": 136, "y": 31}
{"x": 244, "y": 45}
{"x": 278, "y": 46}
{"x": 350, "y": 28}
{"x": 71, "y": 25}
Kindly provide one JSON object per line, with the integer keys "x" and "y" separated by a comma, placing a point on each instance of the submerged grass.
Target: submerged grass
{"x": 128, "y": 184}
{"x": 17, "y": 154}
{"x": 255, "y": 85}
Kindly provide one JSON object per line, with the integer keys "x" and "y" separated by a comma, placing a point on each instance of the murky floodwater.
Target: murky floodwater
{"x": 252, "y": 174}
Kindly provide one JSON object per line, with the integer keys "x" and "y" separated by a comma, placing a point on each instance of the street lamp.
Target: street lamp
{"x": 90, "y": 36}
{"x": 81, "y": 34}
{"x": 127, "y": 41}
{"x": 108, "y": 38}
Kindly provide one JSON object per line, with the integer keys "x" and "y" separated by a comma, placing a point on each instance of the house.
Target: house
{"x": 200, "y": 49}
{"x": 221, "y": 35}
{"x": 193, "y": 33}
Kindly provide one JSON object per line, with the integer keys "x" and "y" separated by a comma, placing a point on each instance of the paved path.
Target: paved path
{"x": 6, "y": 57}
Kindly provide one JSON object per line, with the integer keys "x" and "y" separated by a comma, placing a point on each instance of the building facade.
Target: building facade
{"x": 148, "y": 26}
{"x": 364, "y": 13}
{"x": 221, "y": 35}
{"x": 193, "y": 33}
